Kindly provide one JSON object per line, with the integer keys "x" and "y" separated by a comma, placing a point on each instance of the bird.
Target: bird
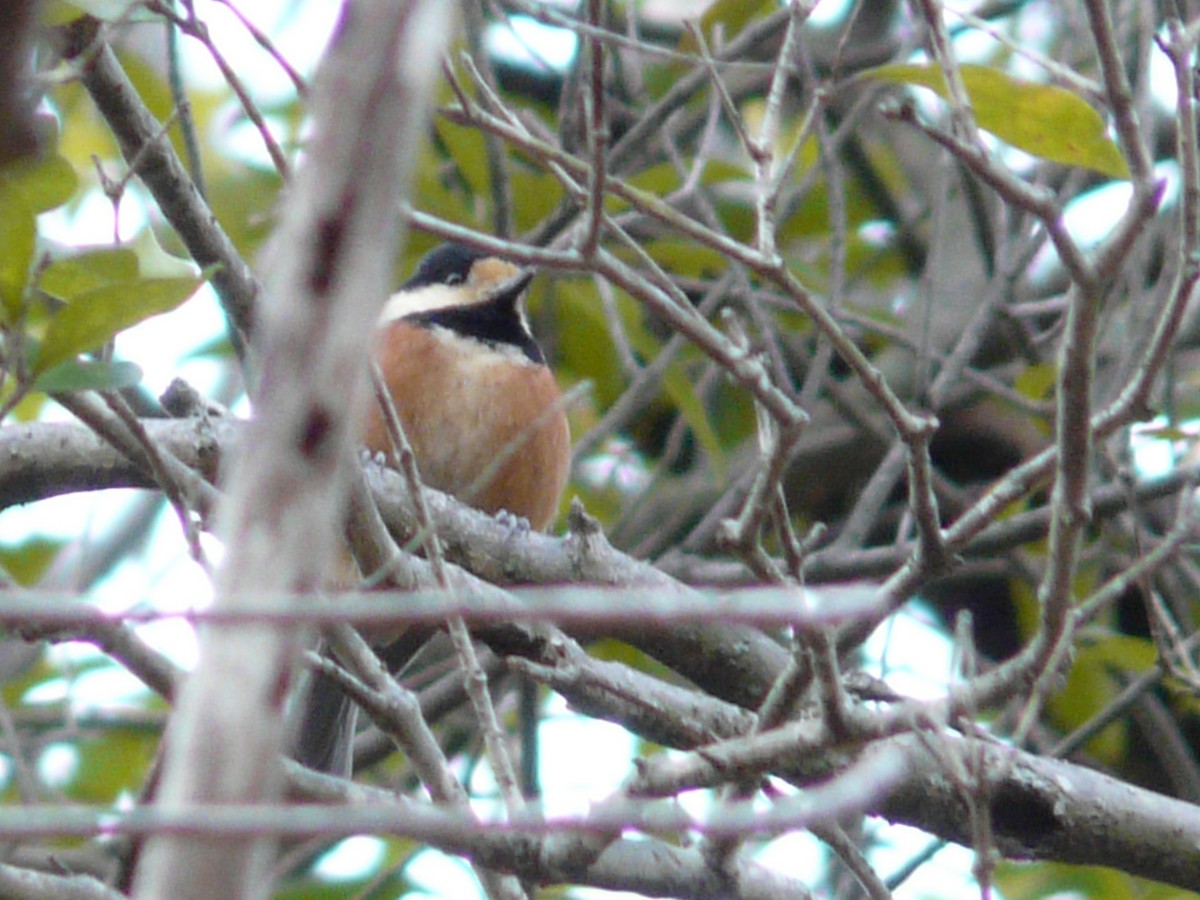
{"x": 470, "y": 383}
{"x": 481, "y": 410}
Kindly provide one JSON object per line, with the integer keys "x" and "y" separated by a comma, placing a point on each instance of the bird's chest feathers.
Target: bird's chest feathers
{"x": 462, "y": 401}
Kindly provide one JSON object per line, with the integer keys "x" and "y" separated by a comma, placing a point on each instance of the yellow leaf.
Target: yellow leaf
{"x": 1043, "y": 120}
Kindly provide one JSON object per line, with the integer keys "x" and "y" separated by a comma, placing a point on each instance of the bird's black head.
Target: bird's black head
{"x": 449, "y": 264}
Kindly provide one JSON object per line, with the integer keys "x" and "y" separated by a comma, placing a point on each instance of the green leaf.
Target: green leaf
{"x": 1036, "y": 880}
{"x": 23, "y": 674}
{"x": 27, "y": 187}
{"x": 44, "y": 182}
{"x": 18, "y": 236}
{"x": 660, "y": 179}
{"x": 88, "y": 374}
{"x": 215, "y": 348}
{"x": 1037, "y": 381}
{"x": 29, "y": 408}
{"x": 1118, "y": 651}
{"x": 96, "y": 316}
{"x": 111, "y": 763}
{"x": 27, "y": 562}
{"x": 731, "y": 15}
{"x": 1044, "y": 120}
{"x": 1092, "y": 684}
{"x": 1025, "y": 880}
{"x": 717, "y": 171}
{"x": 431, "y": 191}
{"x": 682, "y": 391}
{"x": 466, "y": 147}
{"x": 1170, "y": 433}
{"x": 539, "y": 193}
{"x": 153, "y": 261}
{"x": 677, "y": 386}
{"x": 681, "y": 256}
{"x": 57, "y": 12}
{"x": 71, "y": 276}
{"x": 585, "y": 347}
{"x": 114, "y": 10}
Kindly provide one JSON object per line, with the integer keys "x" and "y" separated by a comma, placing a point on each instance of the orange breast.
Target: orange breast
{"x": 483, "y": 424}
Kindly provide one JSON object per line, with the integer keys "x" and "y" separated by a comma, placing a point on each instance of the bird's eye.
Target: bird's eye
{"x": 454, "y": 278}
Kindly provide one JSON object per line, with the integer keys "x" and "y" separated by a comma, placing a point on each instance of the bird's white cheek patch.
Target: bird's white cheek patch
{"x": 422, "y": 299}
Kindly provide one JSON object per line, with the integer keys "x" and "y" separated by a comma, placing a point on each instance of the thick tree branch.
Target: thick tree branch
{"x": 327, "y": 277}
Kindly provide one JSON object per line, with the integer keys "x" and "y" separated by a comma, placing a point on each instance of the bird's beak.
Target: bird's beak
{"x": 512, "y": 288}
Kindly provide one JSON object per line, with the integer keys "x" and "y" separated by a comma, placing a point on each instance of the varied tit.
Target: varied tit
{"x": 471, "y": 386}
{"x": 483, "y": 415}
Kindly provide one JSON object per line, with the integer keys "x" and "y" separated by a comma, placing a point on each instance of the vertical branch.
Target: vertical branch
{"x": 943, "y": 55}
{"x": 763, "y": 149}
{"x": 18, "y": 137}
{"x": 1180, "y": 48}
{"x": 1119, "y": 93}
{"x": 1069, "y": 505}
{"x": 327, "y": 276}
{"x": 498, "y": 180}
{"x": 597, "y": 134}
{"x": 1074, "y": 432}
